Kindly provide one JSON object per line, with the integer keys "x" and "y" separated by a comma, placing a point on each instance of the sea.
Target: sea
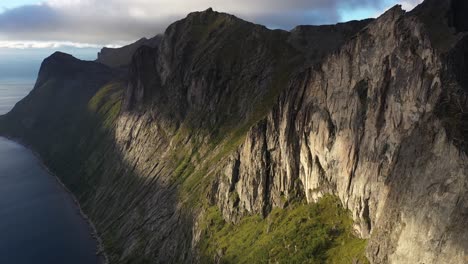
{"x": 39, "y": 221}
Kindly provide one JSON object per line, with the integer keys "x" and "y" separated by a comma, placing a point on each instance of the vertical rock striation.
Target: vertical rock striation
{"x": 227, "y": 113}
{"x": 366, "y": 125}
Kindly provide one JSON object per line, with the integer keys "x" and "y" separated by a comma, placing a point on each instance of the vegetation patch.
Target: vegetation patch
{"x": 316, "y": 233}
{"x": 107, "y": 103}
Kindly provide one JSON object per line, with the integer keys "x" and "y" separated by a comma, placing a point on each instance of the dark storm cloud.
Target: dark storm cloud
{"x": 44, "y": 23}
{"x": 109, "y": 21}
{"x": 33, "y": 16}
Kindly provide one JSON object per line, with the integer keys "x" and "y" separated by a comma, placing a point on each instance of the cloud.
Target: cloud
{"x": 100, "y": 22}
{"x": 410, "y": 4}
{"x": 50, "y": 45}
{"x": 75, "y": 23}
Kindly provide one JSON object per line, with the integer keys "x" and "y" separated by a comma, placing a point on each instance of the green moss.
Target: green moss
{"x": 107, "y": 103}
{"x": 201, "y": 30}
{"x": 181, "y": 167}
{"x": 317, "y": 233}
{"x": 347, "y": 248}
{"x": 234, "y": 197}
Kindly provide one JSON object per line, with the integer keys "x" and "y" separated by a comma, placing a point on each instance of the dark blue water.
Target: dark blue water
{"x": 39, "y": 223}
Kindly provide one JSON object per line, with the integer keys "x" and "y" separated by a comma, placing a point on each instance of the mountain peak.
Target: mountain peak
{"x": 207, "y": 16}
{"x": 225, "y": 121}
{"x": 443, "y": 20}
{"x": 58, "y": 55}
{"x": 121, "y": 57}
{"x": 62, "y": 65}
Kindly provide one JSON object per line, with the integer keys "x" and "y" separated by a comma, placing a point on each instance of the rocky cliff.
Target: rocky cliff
{"x": 367, "y": 125}
{"x": 225, "y": 120}
{"x": 122, "y": 57}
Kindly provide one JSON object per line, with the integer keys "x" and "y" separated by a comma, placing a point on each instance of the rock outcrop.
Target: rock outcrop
{"x": 122, "y": 57}
{"x": 230, "y": 114}
{"x": 366, "y": 126}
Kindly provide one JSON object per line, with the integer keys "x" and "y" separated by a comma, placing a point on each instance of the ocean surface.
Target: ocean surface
{"x": 12, "y": 91}
{"x": 39, "y": 222}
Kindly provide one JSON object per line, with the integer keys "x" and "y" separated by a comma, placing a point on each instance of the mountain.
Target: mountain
{"x": 227, "y": 142}
{"x": 121, "y": 57}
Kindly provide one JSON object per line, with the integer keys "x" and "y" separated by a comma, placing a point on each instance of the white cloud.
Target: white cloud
{"x": 49, "y": 45}
{"x": 410, "y": 4}
{"x": 107, "y": 21}
{"x": 406, "y": 5}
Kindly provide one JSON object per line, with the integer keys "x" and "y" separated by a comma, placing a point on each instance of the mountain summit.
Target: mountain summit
{"x": 222, "y": 141}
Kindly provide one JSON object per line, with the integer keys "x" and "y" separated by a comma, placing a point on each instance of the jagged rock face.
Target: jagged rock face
{"x": 204, "y": 75}
{"x": 316, "y": 42}
{"x": 371, "y": 111}
{"x": 212, "y": 68}
{"x": 364, "y": 126}
{"x": 122, "y": 57}
{"x": 190, "y": 75}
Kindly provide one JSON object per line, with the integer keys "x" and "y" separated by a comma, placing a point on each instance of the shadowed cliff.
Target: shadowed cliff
{"x": 224, "y": 121}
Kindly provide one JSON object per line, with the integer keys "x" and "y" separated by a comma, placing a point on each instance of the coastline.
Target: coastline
{"x": 100, "y": 252}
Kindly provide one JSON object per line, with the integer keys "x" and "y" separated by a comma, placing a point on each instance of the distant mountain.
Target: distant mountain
{"x": 119, "y": 57}
{"x": 227, "y": 142}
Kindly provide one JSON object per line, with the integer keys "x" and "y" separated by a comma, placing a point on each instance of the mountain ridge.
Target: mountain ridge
{"x": 224, "y": 120}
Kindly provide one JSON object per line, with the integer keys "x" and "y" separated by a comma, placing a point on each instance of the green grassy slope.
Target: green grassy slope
{"x": 317, "y": 233}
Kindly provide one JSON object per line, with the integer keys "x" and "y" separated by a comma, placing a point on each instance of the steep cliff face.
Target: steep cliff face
{"x": 122, "y": 57}
{"x": 224, "y": 115}
{"x": 365, "y": 126}
{"x": 58, "y": 101}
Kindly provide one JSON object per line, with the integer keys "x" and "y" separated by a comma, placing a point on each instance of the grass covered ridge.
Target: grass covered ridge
{"x": 316, "y": 233}
{"x": 107, "y": 103}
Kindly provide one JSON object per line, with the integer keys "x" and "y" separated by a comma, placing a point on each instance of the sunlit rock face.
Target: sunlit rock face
{"x": 232, "y": 114}
{"x": 368, "y": 125}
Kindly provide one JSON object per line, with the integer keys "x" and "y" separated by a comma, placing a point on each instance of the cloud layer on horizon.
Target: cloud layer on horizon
{"x": 88, "y": 23}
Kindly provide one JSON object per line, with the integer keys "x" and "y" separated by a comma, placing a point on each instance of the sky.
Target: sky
{"x": 33, "y": 29}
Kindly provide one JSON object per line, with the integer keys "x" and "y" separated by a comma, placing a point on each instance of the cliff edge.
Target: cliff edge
{"x": 342, "y": 140}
